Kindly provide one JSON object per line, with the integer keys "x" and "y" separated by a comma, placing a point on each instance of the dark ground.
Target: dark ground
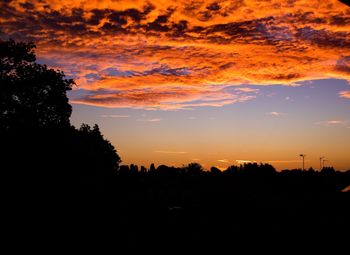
{"x": 182, "y": 212}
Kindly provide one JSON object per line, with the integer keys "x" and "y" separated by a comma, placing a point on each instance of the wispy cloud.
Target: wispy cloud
{"x": 114, "y": 116}
{"x": 223, "y": 160}
{"x": 150, "y": 120}
{"x": 171, "y": 152}
{"x": 243, "y": 161}
{"x": 276, "y": 114}
{"x": 345, "y": 94}
{"x": 245, "y": 89}
{"x": 330, "y": 123}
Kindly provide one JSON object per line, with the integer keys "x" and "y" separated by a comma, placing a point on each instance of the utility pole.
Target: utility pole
{"x": 303, "y": 156}
{"x": 321, "y": 167}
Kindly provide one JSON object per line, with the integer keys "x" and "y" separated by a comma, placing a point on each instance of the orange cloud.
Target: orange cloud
{"x": 182, "y": 54}
{"x": 163, "y": 97}
{"x": 345, "y": 94}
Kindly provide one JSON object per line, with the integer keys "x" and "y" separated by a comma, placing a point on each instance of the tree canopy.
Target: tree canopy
{"x": 37, "y": 138}
{"x": 31, "y": 94}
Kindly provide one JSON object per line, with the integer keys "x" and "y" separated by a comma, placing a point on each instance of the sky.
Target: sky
{"x": 214, "y": 82}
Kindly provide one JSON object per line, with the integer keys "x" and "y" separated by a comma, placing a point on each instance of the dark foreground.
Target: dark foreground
{"x": 173, "y": 212}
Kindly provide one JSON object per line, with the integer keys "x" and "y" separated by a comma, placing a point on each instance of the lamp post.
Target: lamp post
{"x": 303, "y": 156}
{"x": 321, "y": 158}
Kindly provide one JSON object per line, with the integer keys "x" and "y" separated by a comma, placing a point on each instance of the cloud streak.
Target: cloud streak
{"x": 244, "y": 161}
{"x": 172, "y": 152}
{"x": 114, "y": 116}
{"x": 276, "y": 114}
{"x": 345, "y": 94}
{"x": 182, "y": 54}
{"x": 223, "y": 161}
{"x": 150, "y": 120}
{"x": 332, "y": 123}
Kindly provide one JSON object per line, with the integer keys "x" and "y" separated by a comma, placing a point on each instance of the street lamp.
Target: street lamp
{"x": 321, "y": 158}
{"x": 303, "y": 156}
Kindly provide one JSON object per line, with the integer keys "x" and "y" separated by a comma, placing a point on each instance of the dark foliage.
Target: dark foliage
{"x": 94, "y": 154}
{"x": 347, "y": 2}
{"x": 39, "y": 148}
{"x": 31, "y": 95}
{"x": 245, "y": 207}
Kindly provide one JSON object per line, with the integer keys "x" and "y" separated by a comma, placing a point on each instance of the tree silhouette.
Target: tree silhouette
{"x": 167, "y": 170}
{"x": 97, "y": 155}
{"x": 31, "y": 95}
{"x": 258, "y": 170}
{"x": 38, "y": 143}
{"x": 143, "y": 169}
{"x": 152, "y": 168}
{"x": 134, "y": 168}
{"x": 232, "y": 170}
{"x": 193, "y": 168}
{"x": 215, "y": 170}
{"x": 124, "y": 169}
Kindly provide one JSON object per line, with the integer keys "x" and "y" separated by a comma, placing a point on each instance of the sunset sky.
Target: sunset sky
{"x": 214, "y": 82}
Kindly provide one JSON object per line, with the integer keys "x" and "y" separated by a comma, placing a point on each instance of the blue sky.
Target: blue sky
{"x": 275, "y": 127}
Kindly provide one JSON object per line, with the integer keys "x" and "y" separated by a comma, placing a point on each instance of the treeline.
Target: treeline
{"x": 339, "y": 180}
{"x": 245, "y": 205}
{"x": 292, "y": 181}
{"x": 194, "y": 168}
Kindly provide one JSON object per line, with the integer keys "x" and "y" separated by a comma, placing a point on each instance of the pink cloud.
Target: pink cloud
{"x": 345, "y": 94}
